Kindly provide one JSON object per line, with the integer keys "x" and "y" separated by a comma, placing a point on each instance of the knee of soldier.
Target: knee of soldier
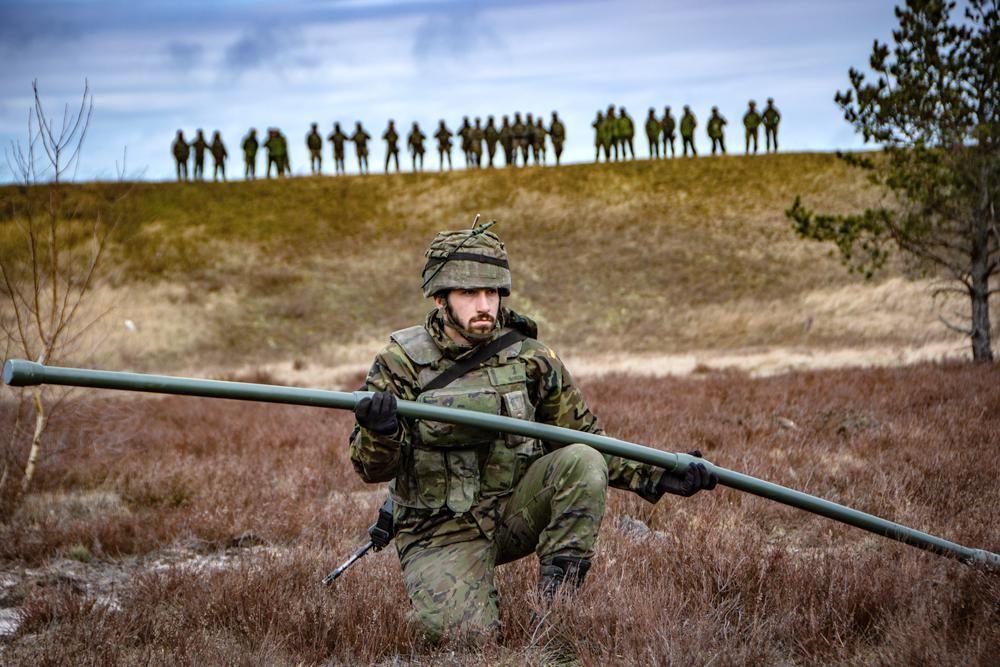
{"x": 586, "y": 464}
{"x": 436, "y": 627}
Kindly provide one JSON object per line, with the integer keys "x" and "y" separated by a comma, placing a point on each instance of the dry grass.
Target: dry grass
{"x": 681, "y": 256}
{"x": 210, "y": 524}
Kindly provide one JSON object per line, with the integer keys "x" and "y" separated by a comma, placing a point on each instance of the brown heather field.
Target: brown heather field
{"x": 177, "y": 531}
{"x": 173, "y": 531}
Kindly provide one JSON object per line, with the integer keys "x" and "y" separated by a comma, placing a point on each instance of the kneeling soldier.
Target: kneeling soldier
{"x": 467, "y": 500}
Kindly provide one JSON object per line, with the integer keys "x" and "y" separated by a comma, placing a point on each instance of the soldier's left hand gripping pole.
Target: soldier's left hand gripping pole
{"x": 380, "y": 534}
{"x": 19, "y": 372}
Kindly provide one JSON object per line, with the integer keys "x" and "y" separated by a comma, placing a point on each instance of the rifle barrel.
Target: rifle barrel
{"x": 19, "y": 372}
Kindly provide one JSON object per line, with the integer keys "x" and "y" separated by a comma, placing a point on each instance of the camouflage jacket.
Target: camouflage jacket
{"x": 443, "y": 135}
{"x": 436, "y": 467}
{"x": 653, "y": 128}
{"x": 688, "y": 123}
{"x": 714, "y": 128}
{"x": 181, "y": 149}
{"x": 415, "y": 141}
{"x": 558, "y": 132}
{"x": 314, "y": 142}
{"x": 771, "y": 117}
{"x": 491, "y": 134}
{"x": 218, "y": 149}
{"x": 249, "y": 145}
{"x": 751, "y": 120}
{"x": 669, "y": 125}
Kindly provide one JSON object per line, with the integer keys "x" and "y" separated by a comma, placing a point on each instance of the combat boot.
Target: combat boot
{"x": 562, "y": 569}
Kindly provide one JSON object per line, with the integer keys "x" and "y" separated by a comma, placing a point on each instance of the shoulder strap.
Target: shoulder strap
{"x": 474, "y": 360}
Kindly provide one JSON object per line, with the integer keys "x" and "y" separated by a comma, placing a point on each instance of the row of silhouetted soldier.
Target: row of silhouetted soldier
{"x": 479, "y": 143}
{"x": 525, "y": 140}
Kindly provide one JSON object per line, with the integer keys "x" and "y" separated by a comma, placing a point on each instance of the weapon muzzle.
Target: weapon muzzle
{"x": 22, "y": 373}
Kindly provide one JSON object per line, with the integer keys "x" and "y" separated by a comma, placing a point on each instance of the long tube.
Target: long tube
{"x": 18, "y": 372}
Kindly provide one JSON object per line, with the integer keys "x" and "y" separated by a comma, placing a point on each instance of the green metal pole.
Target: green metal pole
{"x": 17, "y": 372}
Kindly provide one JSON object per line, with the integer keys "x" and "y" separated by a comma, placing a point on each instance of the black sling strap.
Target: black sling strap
{"x": 474, "y": 360}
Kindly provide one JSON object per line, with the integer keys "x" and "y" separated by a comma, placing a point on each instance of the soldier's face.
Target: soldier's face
{"x": 475, "y": 309}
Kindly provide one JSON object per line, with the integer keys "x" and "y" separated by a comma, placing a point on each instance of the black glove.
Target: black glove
{"x": 378, "y": 413}
{"x": 696, "y": 478}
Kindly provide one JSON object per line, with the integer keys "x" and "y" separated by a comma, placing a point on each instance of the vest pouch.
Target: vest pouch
{"x": 430, "y": 477}
{"x": 463, "y": 479}
{"x": 442, "y": 435}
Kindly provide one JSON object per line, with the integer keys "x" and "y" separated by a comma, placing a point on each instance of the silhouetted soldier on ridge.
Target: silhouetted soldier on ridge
{"x": 360, "y": 139}
{"x": 338, "y": 138}
{"x": 391, "y": 138}
{"x": 415, "y": 142}
{"x": 557, "y": 131}
{"x": 626, "y": 132}
{"x": 492, "y": 136}
{"x": 507, "y": 142}
{"x": 200, "y": 146}
{"x": 771, "y": 119}
{"x": 653, "y": 129}
{"x": 443, "y": 135}
{"x": 669, "y": 134}
{"x": 688, "y": 125}
{"x": 751, "y": 121}
{"x": 181, "y": 151}
{"x": 314, "y": 142}
{"x": 715, "y": 131}
{"x": 249, "y": 147}
{"x": 219, "y": 155}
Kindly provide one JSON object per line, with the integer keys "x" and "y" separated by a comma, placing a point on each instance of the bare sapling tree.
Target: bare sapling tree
{"x": 53, "y": 254}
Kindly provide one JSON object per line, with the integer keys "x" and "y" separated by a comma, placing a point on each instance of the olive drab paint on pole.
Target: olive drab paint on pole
{"x": 17, "y": 372}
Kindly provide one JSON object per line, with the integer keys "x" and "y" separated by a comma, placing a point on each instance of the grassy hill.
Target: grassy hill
{"x": 638, "y": 258}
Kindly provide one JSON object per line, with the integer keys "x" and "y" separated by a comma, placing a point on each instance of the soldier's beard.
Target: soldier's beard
{"x": 473, "y": 336}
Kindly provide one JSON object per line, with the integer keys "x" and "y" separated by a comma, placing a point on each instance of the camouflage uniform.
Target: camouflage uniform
{"x": 688, "y": 124}
{"x": 337, "y": 138}
{"x": 538, "y": 141}
{"x": 751, "y": 121}
{"x": 715, "y": 132}
{"x": 443, "y": 135}
{"x": 219, "y": 155}
{"x": 275, "y": 152}
{"x": 200, "y": 146}
{"x": 467, "y": 500}
{"x": 598, "y": 126}
{"x": 465, "y": 134}
{"x": 415, "y": 142}
{"x": 611, "y": 132}
{"x": 286, "y": 158}
{"x": 557, "y": 131}
{"x": 669, "y": 126}
{"x": 518, "y": 136}
{"x": 625, "y": 129}
{"x": 249, "y": 147}
{"x": 492, "y": 136}
{"x": 507, "y": 142}
{"x": 391, "y": 138}
{"x": 360, "y": 139}
{"x": 528, "y": 143}
{"x": 476, "y": 144}
{"x": 314, "y": 142}
{"x": 653, "y": 134}
{"x": 181, "y": 151}
{"x": 771, "y": 118}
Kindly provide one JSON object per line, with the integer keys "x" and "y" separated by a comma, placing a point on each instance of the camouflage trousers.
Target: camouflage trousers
{"x": 448, "y": 560}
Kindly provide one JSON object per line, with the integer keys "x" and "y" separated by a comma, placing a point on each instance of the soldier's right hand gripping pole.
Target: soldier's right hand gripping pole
{"x": 380, "y": 533}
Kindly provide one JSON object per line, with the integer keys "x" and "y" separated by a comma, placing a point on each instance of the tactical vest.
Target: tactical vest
{"x": 455, "y": 466}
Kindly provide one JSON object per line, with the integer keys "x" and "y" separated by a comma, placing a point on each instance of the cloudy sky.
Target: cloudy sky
{"x": 155, "y": 67}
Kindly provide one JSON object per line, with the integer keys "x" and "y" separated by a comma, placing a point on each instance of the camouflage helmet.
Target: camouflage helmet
{"x": 466, "y": 259}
